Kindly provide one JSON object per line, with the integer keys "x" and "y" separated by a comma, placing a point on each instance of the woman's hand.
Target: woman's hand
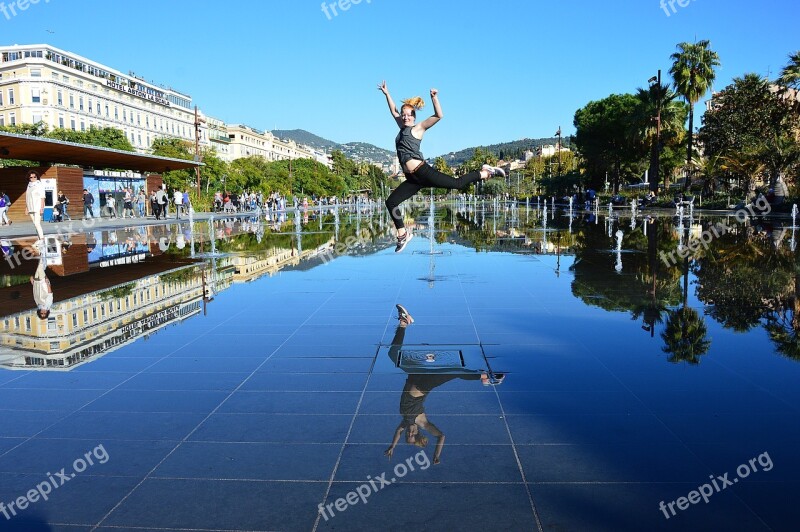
{"x": 434, "y": 92}
{"x": 388, "y": 452}
{"x": 382, "y": 87}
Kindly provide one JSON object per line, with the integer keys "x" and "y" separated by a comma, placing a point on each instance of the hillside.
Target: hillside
{"x": 362, "y": 151}
{"x": 505, "y": 150}
{"x": 358, "y": 151}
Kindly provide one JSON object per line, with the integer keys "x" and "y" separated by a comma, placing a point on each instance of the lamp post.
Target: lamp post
{"x": 655, "y": 154}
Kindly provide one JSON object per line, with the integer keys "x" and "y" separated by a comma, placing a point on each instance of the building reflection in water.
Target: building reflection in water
{"x": 110, "y": 288}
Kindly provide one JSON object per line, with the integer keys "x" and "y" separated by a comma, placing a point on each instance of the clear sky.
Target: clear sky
{"x": 505, "y": 69}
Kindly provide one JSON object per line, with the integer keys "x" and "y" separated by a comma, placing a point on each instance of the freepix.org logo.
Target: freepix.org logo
{"x": 669, "y": 5}
{"x": 342, "y": 5}
{"x": 12, "y": 9}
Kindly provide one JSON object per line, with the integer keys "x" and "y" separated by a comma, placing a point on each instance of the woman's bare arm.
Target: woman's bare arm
{"x": 392, "y": 107}
{"x": 437, "y": 112}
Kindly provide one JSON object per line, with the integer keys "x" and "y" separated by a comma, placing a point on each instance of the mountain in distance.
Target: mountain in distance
{"x": 508, "y": 151}
{"x": 362, "y": 151}
{"x": 359, "y": 151}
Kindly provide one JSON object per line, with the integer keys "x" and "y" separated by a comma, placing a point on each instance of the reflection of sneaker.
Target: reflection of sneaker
{"x": 494, "y": 171}
{"x": 493, "y": 379}
{"x": 403, "y": 315}
{"x": 403, "y": 240}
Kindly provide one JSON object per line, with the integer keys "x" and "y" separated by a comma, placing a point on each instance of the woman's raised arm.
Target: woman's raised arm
{"x": 392, "y": 107}
{"x": 437, "y": 112}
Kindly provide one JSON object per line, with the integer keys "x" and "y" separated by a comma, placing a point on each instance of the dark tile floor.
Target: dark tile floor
{"x": 284, "y": 400}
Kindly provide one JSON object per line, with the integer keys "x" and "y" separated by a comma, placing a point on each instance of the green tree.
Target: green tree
{"x": 693, "y": 73}
{"x": 742, "y": 115}
{"x": 176, "y": 149}
{"x": 685, "y": 336}
{"x": 658, "y": 106}
{"x": 790, "y": 74}
{"x": 606, "y": 139}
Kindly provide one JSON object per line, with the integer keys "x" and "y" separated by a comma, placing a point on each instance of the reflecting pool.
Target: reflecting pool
{"x": 554, "y": 369}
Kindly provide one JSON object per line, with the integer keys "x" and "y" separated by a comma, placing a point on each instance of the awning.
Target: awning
{"x": 49, "y": 151}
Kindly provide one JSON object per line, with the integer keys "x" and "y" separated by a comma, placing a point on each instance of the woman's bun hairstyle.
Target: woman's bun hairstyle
{"x": 416, "y": 102}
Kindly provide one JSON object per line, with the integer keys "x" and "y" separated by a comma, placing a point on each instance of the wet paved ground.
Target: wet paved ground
{"x": 284, "y": 397}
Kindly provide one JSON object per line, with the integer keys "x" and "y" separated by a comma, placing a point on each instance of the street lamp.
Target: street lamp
{"x": 655, "y": 154}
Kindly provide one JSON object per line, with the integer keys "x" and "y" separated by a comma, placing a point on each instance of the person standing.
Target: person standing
{"x": 154, "y": 205}
{"x": 127, "y": 204}
{"x": 186, "y": 204}
{"x": 781, "y": 190}
{"x": 177, "y": 199}
{"x": 111, "y": 206}
{"x": 63, "y": 201}
{"x": 5, "y": 203}
{"x": 161, "y": 198}
{"x": 141, "y": 199}
{"x": 34, "y": 201}
{"x": 88, "y": 201}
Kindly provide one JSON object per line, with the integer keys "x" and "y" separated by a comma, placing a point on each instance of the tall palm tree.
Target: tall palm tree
{"x": 658, "y": 115}
{"x": 790, "y": 75}
{"x": 693, "y": 73}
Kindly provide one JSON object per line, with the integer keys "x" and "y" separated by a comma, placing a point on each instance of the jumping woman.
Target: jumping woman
{"x": 420, "y": 174}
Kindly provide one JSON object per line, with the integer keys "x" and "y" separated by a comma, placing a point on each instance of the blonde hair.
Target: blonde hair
{"x": 416, "y": 102}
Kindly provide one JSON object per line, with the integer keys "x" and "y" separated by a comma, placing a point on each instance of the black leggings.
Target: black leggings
{"x": 425, "y": 176}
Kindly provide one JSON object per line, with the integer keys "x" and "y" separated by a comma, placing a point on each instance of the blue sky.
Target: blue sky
{"x": 505, "y": 69}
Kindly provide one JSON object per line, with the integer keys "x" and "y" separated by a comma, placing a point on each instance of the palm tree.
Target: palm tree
{"x": 711, "y": 170}
{"x": 685, "y": 336}
{"x": 693, "y": 73}
{"x": 790, "y": 75}
{"x": 746, "y": 165}
{"x": 658, "y": 115}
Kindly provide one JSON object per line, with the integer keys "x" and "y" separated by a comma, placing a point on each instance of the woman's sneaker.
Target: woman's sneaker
{"x": 403, "y": 240}
{"x": 494, "y": 171}
{"x": 403, "y": 315}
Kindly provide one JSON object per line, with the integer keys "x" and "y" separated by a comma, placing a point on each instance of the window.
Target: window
{"x": 71, "y": 101}
{"x": 98, "y": 108}
{"x": 10, "y": 96}
{"x": 80, "y": 103}
{"x": 74, "y": 319}
{"x": 2, "y": 120}
{"x": 36, "y": 97}
{"x": 72, "y": 123}
{"x": 116, "y": 113}
{"x": 61, "y": 121}
{"x": 107, "y": 113}
{"x": 124, "y": 115}
{"x": 85, "y": 315}
{"x": 65, "y": 79}
{"x": 94, "y": 313}
{"x": 89, "y": 105}
{"x": 27, "y": 323}
{"x": 1, "y": 97}
{"x": 36, "y": 72}
{"x": 60, "y": 98}
{"x": 12, "y": 119}
{"x": 36, "y": 117}
{"x": 54, "y": 75}
{"x": 83, "y": 125}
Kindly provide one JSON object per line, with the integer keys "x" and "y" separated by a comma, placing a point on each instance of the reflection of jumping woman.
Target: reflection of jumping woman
{"x": 420, "y": 174}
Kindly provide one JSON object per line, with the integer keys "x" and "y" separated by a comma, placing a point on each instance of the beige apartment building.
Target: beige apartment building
{"x": 41, "y": 83}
